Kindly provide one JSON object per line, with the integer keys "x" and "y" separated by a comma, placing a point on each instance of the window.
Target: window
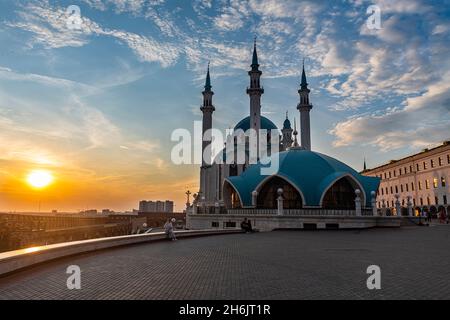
{"x": 395, "y": 173}
{"x": 435, "y": 183}
{"x": 392, "y": 190}
{"x": 401, "y": 188}
{"x": 428, "y": 201}
{"x": 427, "y": 184}
{"x": 390, "y": 176}
{"x": 424, "y": 165}
{"x": 420, "y": 185}
{"x": 382, "y": 191}
{"x": 432, "y": 163}
{"x": 406, "y": 185}
{"x": 414, "y": 202}
{"x": 412, "y": 186}
{"x": 440, "y": 161}
{"x": 387, "y": 191}
{"x": 445, "y": 199}
{"x": 421, "y": 201}
{"x": 396, "y": 189}
{"x": 385, "y": 175}
{"x": 448, "y": 159}
{"x": 417, "y": 167}
{"x": 442, "y": 181}
{"x": 436, "y": 200}
{"x": 214, "y": 224}
{"x": 230, "y": 224}
{"x": 410, "y": 169}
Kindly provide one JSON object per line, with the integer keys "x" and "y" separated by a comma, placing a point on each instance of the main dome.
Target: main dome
{"x": 311, "y": 173}
{"x": 266, "y": 124}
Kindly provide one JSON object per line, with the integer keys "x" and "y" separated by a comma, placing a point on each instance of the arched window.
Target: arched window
{"x": 230, "y": 196}
{"x": 341, "y": 195}
{"x": 268, "y": 195}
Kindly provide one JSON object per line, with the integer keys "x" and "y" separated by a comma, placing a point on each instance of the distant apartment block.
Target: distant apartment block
{"x": 156, "y": 206}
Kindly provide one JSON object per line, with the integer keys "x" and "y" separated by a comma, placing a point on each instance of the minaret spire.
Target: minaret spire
{"x": 365, "y": 165}
{"x": 304, "y": 107}
{"x": 208, "y": 80}
{"x": 304, "y": 83}
{"x": 255, "y": 64}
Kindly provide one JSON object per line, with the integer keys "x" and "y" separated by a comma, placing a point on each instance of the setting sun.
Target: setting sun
{"x": 39, "y": 178}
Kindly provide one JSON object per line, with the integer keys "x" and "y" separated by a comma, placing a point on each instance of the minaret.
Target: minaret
{"x": 255, "y": 91}
{"x": 287, "y": 134}
{"x": 207, "y": 109}
{"x": 365, "y": 166}
{"x": 304, "y": 107}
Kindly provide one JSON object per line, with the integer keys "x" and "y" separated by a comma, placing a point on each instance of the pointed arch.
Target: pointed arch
{"x": 341, "y": 185}
{"x": 231, "y": 196}
{"x": 267, "y": 193}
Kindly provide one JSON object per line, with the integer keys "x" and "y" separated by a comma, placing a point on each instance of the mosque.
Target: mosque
{"x": 309, "y": 190}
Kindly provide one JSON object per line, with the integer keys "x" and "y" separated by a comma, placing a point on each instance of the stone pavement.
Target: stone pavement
{"x": 414, "y": 262}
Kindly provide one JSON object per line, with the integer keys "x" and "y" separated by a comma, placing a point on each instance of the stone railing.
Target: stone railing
{"x": 15, "y": 260}
{"x": 300, "y": 212}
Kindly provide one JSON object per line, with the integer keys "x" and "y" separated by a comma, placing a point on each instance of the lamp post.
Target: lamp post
{"x": 358, "y": 203}
{"x": 280, "y": 201}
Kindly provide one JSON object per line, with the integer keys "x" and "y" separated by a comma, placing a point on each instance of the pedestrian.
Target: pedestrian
{"x": 442, "y": 216}
{"x": 168, "y": 228}
{"x": 428, "y": 216}
{"x": 246, "y": 225}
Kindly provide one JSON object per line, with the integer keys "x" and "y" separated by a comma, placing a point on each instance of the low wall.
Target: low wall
{"x": 273, "y": 222}
{"x": 15, "y": 260}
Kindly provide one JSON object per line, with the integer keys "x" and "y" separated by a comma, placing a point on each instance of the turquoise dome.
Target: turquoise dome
{"x": 287, "y": 124}
{"x": 312, "y": 173}
{"x": 244, "y": 124}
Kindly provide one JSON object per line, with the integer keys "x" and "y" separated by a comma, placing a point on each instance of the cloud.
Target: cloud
{"x": 423, "y": 121}
{"x": 49, "y": 28}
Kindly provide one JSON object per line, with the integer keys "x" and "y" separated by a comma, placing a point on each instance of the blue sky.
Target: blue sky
{"x": 99, "y": 104}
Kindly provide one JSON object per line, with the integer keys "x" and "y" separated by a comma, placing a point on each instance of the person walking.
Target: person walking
{"x": 168, "y": 228}
{"x": 442, "y": 216}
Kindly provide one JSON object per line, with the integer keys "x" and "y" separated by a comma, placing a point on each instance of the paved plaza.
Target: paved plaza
{"x": 414, "y": 262}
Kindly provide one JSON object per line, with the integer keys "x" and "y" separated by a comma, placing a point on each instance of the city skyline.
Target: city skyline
{"x": 96, "y": 106}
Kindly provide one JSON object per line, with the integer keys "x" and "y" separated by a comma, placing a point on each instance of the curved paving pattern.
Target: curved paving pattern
{"x": 415, "y": 264}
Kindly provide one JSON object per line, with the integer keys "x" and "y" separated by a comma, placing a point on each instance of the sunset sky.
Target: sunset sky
{"x": 96, "y": 107}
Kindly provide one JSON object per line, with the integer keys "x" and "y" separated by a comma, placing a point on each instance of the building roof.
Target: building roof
{"x": 287, "y": 124}
{"x": 416, "y": 156}
{"x": 312, "y": 173}
{"x": 244, "y": 124}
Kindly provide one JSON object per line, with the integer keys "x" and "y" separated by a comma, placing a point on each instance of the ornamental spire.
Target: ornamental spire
{"x": 255, "y": 63}
{"x": 208, "y": 80}
{"x": 304, "y": 84}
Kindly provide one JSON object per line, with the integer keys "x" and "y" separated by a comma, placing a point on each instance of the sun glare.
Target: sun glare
{"x": 39, "y": 178}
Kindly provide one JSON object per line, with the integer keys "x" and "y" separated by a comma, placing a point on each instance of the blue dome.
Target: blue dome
{"x": 244, "y": 124}
{"x": 287, "y": 124}
{"x": 312, "y": 173}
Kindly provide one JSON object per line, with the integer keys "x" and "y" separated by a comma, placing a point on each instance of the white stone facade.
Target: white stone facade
{"x": 425, "y": 177}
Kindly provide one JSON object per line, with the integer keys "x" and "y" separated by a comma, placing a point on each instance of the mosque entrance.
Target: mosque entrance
{"x": 341, "y": 195}
{"x": 268, "y": 195}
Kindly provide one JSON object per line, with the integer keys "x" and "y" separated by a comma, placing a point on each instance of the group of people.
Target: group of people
{"x": 246, "y": 225}
{"x": 441, "y": 215}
